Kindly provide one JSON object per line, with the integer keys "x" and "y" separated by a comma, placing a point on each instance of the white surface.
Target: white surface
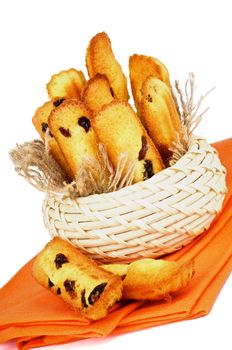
{"x": 39, "y": 38}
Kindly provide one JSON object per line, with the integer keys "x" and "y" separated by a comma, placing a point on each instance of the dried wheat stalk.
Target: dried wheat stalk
{"x": 189, "y": 115}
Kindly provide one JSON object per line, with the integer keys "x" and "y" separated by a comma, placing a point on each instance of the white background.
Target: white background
{"x": 40, "y": 38}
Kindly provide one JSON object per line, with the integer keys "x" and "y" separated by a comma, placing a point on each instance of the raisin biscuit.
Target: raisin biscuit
{"x": 141, "y": 67}
{"x": 67, "y": 83}
{"x": 40, "y": 121}
{"x": 100, "y": 59}
{"x": 121, "y": 131}
{"x": 97, "y": 93}
{"x": 78, "y": 280}
{"x": 160, "y": 116}
{"x": 150, "y": 279}
{"x": 71, "y": 125}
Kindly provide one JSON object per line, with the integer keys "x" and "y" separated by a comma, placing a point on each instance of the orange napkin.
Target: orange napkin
{"x": 35, "y": 317}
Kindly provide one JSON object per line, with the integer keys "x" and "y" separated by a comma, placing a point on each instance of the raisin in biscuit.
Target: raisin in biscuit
{"x": 97, "y": 93}
{"x": 150, "y": 279}
{"x": 40, "y": 121}
{"x": 160, "y": 116}
{"x": 100, "y": 59}
{"x": 67, "y": 83}
{"x": 71, "y": 125}
{"x": 121, "y": 131}
{"x": 78, "y": 280}
{"x": 141, "y": 67}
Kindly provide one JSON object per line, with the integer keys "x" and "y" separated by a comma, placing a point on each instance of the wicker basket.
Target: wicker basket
{"x": 147, "y": 219}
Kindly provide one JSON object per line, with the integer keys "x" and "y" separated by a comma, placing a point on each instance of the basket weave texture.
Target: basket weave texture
{"x": 147, "y": 219}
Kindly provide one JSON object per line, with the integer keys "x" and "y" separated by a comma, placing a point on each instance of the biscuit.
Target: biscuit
{"x": 150, "y": 279}
{"x": 100, "y": 59}
{"x": 121, "y": 131}
{"x": 71, "y": 125}
{"x": 78, "y": 280}
{"x": 160, "y": 116}
{"x": 97, "y": 93}
{"x": 140, "y": 68}
{"x": 40, "y": 121}
{"x": 67, "y": 83}
{"x": 117, "y": 269}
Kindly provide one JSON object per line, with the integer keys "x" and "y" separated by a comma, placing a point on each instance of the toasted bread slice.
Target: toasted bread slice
{"x": 97, "y": 93}
{"x": 160, "y": 116}
{"x": 71, "y": 125}
{"x": 100, "y": 59}
{"x": 67, "y": 83}
{"x": 40, "y": 121}
{"x": 141, "y": 67}
{"x": 121, "y": 131}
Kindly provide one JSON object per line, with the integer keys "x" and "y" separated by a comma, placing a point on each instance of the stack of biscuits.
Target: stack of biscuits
{"x": 82, "y": 113}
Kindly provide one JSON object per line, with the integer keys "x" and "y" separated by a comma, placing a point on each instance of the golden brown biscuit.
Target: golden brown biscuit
{"x": 71, "y": 125}
{"x": 160, "y": 116}
{"x": 100, "y": 59}
{"x": 67, "y": 83}
{"x": 150, "y": 279}
{"x": 140, "y": 68}
{"x": 97, "y": 93}
{"x": 121, "y": 131}
{"x": 88, "y": 60}
{"x": 117, "y": 269}
{"x": 40, "y": 121}
{"x": 78, "y": 280}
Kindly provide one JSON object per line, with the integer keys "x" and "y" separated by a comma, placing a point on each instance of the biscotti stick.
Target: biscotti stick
{"x": 160, "y": 116}
{"x": 121, "y": 131}
{"x": 100, "y": 59}
{"x": 141, "y": 67}
{"x": 78, "y": 280}
{"x": 40, "y": 121}
{"x": 97, "y": 93}
{"x": 71, "y": 125}
{"x": 67, "y": 83}
{"x": 150, "y": 279}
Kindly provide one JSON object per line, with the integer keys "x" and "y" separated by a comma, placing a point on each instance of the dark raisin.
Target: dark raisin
{"x": 85, "y": 123}
{"x": 166, "y": 154}
{"x": 83, "y": 300}
{"x": 58, "y": 291}
{"x": 70, "y": 288}
{"x": 143, "y": 151}
{"x": 148, "y": 169}
{"x": 44, "y": 127}
{"x": 149, "y": 98}
{"x": 69, "y": 285}
{"x": 58, "y": 102}
{"x": 112, "y": 91}
{"x": 96, "y": 293}
{"x": 65, "y": 132}
{"x": 50, "y": 284}
{"x": 123, "y": 277}
{"x": 60, "y": 260}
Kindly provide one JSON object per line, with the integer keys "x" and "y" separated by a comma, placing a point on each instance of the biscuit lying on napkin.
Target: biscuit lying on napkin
{"x": 150, "y": 279}
{"x": 93, "y": 289}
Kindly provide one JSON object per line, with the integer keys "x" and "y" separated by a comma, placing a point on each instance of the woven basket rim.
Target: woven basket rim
{"x": 193, "y": 140}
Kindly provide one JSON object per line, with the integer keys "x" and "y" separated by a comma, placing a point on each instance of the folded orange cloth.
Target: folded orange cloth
{"x": 35, "y": 317}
